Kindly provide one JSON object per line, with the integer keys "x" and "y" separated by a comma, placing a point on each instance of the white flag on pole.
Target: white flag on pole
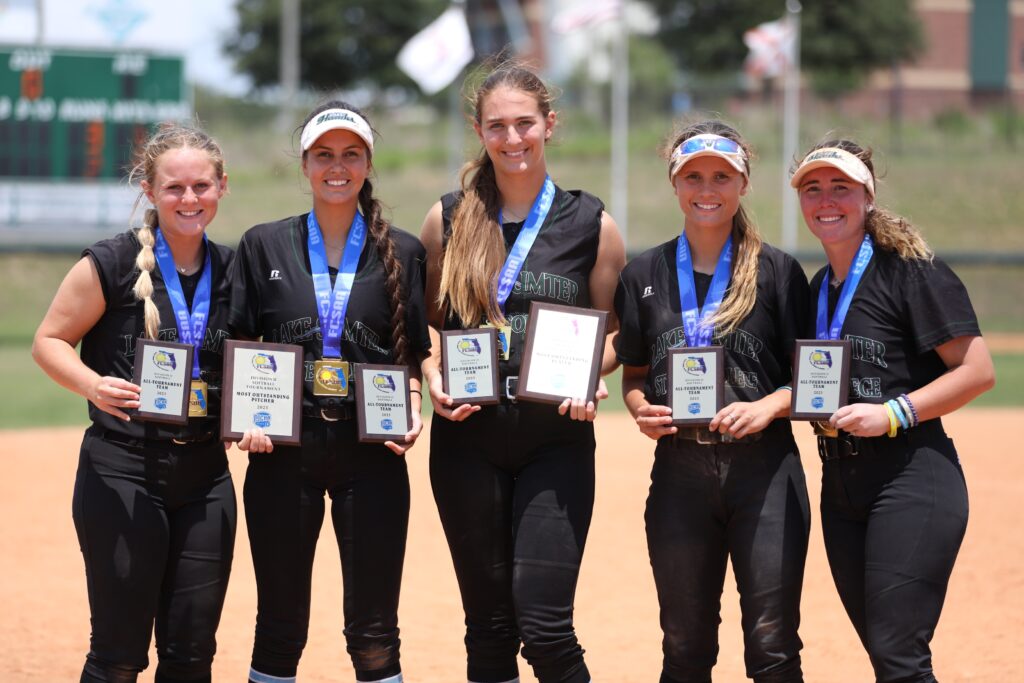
{"x": 771, "y": 48}
{"x": 435, "y": 56}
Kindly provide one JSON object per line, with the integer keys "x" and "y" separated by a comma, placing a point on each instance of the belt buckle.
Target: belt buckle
{"x": 179, "y": 442}
{"x": 851, "y": 441}
{"x": 510, "y": 390}
{"x": 323, "y": 415}
{"x": 706, "y": 437}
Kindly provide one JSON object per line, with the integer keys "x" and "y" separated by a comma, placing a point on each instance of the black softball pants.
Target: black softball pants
{"x": 284, "y": 510}
{"x": 893, "y": 518}
{"x": 712, "y": 502}
{"x": 156, "y": 525}
{"x": 514, "y": 485}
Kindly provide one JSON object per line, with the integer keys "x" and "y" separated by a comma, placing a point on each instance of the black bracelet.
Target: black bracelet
{"x": 416, "y": 391}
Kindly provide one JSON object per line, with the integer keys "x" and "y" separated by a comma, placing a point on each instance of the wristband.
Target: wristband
{"x": 893, "y": 424}
{"x": 785, "y": 388}
{"x": 897, "y": 410}
{"x": 416, "y": 391}
{"x": 913, "y": 412}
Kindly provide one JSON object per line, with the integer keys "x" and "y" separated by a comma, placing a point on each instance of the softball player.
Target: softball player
{"x": 293, "y": 277}
{"x": 734, "y": 489}
{"x": 154, "y": 506}
{"x": 514, "y": 483}
{"x": 893, "y": 497}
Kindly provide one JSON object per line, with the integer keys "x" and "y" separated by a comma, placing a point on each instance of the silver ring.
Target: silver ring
{"x": 730, "y": 417}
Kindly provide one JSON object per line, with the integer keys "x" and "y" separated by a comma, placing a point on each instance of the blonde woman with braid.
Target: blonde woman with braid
{"x": 893, "y": 498}
{"x": 514, "y": 482}
{"x": 340, "y": 262}
{"x": 733, "y": 489}
{"x": 154, "y": 506}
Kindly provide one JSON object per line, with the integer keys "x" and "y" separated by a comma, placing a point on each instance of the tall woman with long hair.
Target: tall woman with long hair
{"x": 154, "y": 506}
{"x": 734, "y": 489}
{"x": 295, "y": 278}
{"x": 893, "y": 497}
{"x": 514, "y": 482}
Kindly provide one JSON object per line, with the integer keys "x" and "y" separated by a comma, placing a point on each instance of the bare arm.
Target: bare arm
{"x": 432, "y": 237}
{"x": 76, "y": 308}
{"x": 969, "y": 374}
{"x": 611, "y": 259}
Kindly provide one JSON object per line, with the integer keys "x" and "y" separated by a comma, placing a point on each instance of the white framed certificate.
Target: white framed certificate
{"x": 163, "y": 370}
{"x": 821, "y": 378}
{"x": 262, "y": 388}
{"x": 696, "y": 384}
{"x": 563, "y": 354}
{"x": 382, "y": 402}
{"x": 469, "y": 365}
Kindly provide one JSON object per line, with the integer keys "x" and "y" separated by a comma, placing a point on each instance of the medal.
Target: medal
{"x": 197, "y": 400}
{"x": 504, "y": 338}
{"x": 330, "y": 377}
{"x": 824, "y": 428}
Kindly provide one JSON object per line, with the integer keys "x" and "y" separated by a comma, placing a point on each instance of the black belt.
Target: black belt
{"x": 839, "y": 447}
{"x": 141, "y": 442}
{"x": 330, "y": 413}
{"x": 703, "y": 435}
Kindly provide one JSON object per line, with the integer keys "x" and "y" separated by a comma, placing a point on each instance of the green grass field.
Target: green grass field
{"x": 962, "y": 200}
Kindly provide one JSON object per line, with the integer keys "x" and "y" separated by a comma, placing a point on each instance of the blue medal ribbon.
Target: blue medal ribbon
{"x": 517, "y": 254}
{"x": 191, "y": 324}
{"x": 332, "y": 302}
{"x": 823, "y": 329}
{"x": 695, "y": 327}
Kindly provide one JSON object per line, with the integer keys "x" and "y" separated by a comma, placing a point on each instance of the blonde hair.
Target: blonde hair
{"x": 746, "y": 238}
{"x": 889, "y": 230}
{"x": 476, "y": 250}
{"x": 168, "y": 136}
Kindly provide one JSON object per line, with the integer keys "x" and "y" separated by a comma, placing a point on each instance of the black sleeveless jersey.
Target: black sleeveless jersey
{"x": 273, "y": 297}
{"x": 901, "y": 311}
{"x": 557, "y": 269}
{"x": 109, "y": 347}
{"x": 758, "y": 353}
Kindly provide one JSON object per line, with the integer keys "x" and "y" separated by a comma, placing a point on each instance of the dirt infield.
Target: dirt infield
{"x": 44, "y": 621}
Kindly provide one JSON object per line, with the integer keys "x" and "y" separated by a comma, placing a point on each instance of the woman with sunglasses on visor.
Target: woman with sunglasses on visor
{"x": 348, "y": 287}
{"x": 893, "y": 497}
{"x": 514, "y": 482}
{"x": 734, "y": 488}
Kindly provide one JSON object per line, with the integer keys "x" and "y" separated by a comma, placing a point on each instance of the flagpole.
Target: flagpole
{"x": 620, "y": 126}
{"x": 790, "y": 128}
{"x": 455, "y": 118}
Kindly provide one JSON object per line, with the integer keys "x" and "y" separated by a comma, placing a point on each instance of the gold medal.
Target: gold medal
{"x": 824, "y": 428}
{"x": 330, "y": 377}
{"x": 197, "y": 400}
{"x": 504, "y": 339}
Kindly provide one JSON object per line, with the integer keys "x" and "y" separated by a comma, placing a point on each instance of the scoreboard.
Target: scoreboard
{"x": 69, "y": 115}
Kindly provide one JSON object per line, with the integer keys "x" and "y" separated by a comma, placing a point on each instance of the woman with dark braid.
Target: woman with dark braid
{"x": 285, "y": 270}
{"x": 154, "y": 506}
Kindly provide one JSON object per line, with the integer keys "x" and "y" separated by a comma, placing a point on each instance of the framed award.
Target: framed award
{"x": 821, "y": 378}
{"x": 696, "y": 383}
{"x": 163, "y": 370}
{"x": 469, "y": 365}
{"x": 262, "y": 388}
{"x": 383, "y": 408}
{"x": 563, "y": 354}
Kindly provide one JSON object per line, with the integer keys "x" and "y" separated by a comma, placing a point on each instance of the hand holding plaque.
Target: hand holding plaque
{"x": 163, "y": 371}
{"x": 469, "y": 365}
{"x": 564, "y": 350}
{"x": 382, "y": 402}
{"x": 262, "y": 388}
{"x": 821, "y": 378}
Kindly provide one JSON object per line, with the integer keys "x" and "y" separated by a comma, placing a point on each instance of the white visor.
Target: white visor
{"x": 336, "y": 119}
{"x": 846, "y": 163}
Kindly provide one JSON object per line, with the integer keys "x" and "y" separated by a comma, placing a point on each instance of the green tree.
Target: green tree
{"x": 342, "y": 42}
{"x": 842, "y": 41}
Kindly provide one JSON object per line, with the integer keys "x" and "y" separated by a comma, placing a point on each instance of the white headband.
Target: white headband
{"x": 335, "y": 119}
{"x": 849, "y": 164}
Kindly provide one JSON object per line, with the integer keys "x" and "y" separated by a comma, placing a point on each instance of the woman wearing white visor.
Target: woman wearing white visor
{"x": 733, "y": 488}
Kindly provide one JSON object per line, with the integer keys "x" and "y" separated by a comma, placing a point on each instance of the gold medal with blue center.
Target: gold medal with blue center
{"x": 504, "y": 339}
{"x": 330, "y": 377}
{"x": 199, "y": 392}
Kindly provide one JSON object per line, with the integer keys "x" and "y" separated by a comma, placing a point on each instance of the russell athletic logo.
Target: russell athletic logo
{"x": 164, "y": 360}
{"x": 820, "y": 359}
{"x": 265, "y": 363}
{"x": 648, "y": 291}
{"x": 694, "y": 365}
{"x": 275, "y": 274}
{"x": 469, "y": 347}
